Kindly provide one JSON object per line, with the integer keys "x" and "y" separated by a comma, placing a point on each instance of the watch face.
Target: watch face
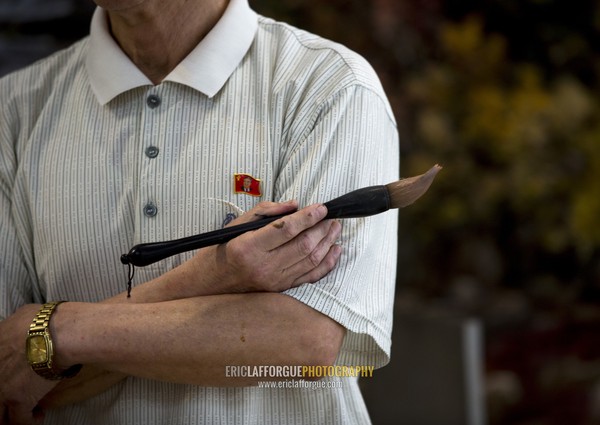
{"x": 37, "y": 349}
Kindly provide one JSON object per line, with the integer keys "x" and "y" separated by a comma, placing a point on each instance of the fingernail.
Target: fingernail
{"x": 337, "y": 227}
{"x": 322, "y": 210}
{"x": 337, "y": 250}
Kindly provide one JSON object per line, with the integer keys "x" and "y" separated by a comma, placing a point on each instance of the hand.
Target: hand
{"x": 298, "y": 248}
{"x": 90, "y": 382}
{"x": 20, "y": 387}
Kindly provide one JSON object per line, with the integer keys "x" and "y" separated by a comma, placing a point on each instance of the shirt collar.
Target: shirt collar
{"x": 205, "y": 69}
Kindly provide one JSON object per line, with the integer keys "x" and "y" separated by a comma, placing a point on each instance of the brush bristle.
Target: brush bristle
{"x": 406, "y": 191}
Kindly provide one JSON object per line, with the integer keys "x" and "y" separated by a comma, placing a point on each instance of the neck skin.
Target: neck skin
{"x": 157, "y": 34}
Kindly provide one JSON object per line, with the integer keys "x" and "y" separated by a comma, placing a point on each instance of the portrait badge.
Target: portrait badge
{"x": 246, "y": 184}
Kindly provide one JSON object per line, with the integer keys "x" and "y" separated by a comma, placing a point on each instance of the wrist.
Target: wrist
{"x": 60, "y": 328}
{"x": 199, "y": 276}
{"x": 42, "y": 349}
{"x": 221, "y": 274}
{"x": 211, "y": 274}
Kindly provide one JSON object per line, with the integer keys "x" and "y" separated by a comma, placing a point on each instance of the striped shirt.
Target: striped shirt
{"x": 94, "y": 159}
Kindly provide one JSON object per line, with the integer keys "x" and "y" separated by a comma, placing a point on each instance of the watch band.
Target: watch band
{"x": 40, "y": 327}
{"x": 42, "y": 320}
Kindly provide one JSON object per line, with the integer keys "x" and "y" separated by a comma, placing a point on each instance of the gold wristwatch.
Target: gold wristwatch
{"x": 39, "y": 348}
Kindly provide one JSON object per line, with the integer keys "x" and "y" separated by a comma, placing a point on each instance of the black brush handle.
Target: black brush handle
{"x": 359, "y": 203}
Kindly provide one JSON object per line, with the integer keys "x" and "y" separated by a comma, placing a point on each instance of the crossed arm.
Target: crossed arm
{"x": 220, "y": 308}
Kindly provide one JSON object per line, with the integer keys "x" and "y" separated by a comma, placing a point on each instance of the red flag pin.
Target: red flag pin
{"x": 246, "y": 184}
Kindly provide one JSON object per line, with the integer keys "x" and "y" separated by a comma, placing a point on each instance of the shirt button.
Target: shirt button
{"x": 152, "y": 151}
{"x": 150, "y": 210}
{"x": 153, "y": 101}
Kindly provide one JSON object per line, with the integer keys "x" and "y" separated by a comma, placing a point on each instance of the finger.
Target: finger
{"x": 265, "y": 209}
{"x": 18, "y": 414}
{"x": 327, "y": 265}
{"x": 315, "y": 256}
{"x": 287, "y": 228}
{"x": 38, "y": 415}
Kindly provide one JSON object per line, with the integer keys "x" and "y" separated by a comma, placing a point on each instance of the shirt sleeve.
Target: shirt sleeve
{"x": 15, "y": 287}
{"x": 352, "y": 143}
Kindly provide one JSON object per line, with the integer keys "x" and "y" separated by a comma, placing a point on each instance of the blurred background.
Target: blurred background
{"x": 505, "y": 247}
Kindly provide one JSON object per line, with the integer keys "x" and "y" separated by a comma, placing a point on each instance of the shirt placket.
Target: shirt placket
{"x": 151, "y": 210}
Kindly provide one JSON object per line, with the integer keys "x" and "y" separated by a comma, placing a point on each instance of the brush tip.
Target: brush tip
{"x": 406, "y": 191}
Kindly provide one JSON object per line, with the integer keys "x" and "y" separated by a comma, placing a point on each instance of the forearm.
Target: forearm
{"x": 208, "y": 273}
{"x": 193, "y": 340}
{"x": 92, "y": 379}
{"x": 196, "y": 277}
{"x": 299, "y": 248}
{"x": 241, "y": 339}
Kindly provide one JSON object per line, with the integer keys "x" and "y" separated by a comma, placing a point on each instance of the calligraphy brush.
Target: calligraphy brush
{"x": 358, "y": 203}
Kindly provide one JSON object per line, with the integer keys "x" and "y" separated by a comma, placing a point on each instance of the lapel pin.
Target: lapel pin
{"x": 246, "y": 184}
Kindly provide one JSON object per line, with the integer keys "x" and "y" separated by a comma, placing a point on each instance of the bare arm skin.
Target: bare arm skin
{"x": 199, "y": 309}
{"x": 194, "y": 334}
{"x": 192, "y": 340}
